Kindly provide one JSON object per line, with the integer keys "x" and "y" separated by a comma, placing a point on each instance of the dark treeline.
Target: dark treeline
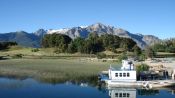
{"x": 165, "y": 46}
{"x": 5, "y": 45}
{"x": 58, "y": 41}
{"x": 90, "y": 45}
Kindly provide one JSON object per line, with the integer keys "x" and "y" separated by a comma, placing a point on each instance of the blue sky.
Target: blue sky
{"x": 155, "y": 17}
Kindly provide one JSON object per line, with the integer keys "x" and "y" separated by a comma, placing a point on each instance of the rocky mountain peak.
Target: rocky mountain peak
{"x": 40, "y": 32}
{"x": 101, "y": 29}
{"x": 33, "y": 39}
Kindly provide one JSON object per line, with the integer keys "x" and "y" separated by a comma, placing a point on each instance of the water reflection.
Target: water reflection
{"x": 122, "y": 93}
{"x": 139, "y": 93}
{"x": 7, "y": 83}
{"x": 30, "y": 88}
{"x": 147, "y": 92}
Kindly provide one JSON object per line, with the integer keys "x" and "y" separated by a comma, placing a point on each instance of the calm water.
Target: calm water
{"x": 29, "y": 88}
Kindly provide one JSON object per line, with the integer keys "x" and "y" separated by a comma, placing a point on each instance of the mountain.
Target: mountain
{"x": 22, "y": 38}
{"x": 100, "y": 29}
{"x": 40, "y": 33}
{"x": 34, "y": 39}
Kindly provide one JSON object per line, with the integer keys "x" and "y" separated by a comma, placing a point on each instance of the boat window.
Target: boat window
{"x": 120, "y": 74}
{"x": 116, "y": 94}
{"x": 124, "y": 94}
{"x": 128, "y": 94}
{"x": 128, "y": 74}
{"x": 116, "y": 74}
{"x": 120, "y": 95}
{"x": 124, "y": 74}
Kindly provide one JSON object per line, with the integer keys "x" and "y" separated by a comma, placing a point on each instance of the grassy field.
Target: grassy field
{"x": 164, "y": 54}
{"x": 48, "y": 66}
{"x": 52, "y": 69}
{"x": 43, "y": 52}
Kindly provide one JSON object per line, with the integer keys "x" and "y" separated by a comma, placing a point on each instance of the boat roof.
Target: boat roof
{"x": 113, "y": 69}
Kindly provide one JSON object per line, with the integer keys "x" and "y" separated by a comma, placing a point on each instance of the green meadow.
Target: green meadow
{"x": 53, "y": 69}
{"x": 48, "y": 66}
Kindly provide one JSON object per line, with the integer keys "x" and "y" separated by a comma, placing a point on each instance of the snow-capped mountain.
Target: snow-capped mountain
{"x": 34, "y": 39}
{"x": 100, "y": 29}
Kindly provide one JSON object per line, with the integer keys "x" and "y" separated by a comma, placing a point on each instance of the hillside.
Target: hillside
{"x": 22, "y": 38}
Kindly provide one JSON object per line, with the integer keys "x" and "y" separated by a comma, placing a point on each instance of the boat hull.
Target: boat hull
{"x": 137, "y": 84}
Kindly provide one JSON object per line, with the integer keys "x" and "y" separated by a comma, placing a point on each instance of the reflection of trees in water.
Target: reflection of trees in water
{"x": 12, "y": 82}
{"x": 145, "y": 92}
{"x": 102, "y": 87}
{"x": 91, "y": 80}
{"x": 171, "y": 90}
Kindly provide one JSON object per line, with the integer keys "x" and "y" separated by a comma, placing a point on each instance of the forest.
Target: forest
{"x": 91, "y": 45}
{"x": 6, "y": 45}
{"x": 167, "y": 45}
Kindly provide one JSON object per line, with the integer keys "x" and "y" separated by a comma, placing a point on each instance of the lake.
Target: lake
{"x": 30, "y": 88}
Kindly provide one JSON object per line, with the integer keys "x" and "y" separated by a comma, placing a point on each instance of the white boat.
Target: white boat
{"x": 127, "y": 77}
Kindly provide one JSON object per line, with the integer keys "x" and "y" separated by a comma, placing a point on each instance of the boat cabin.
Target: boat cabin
{"x": 127, "y": 72}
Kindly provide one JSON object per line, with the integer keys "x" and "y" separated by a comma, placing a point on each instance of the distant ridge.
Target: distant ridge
{"x": 34, "y": 39}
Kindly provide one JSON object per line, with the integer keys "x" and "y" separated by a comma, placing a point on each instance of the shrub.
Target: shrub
{"x": 142, "y": 67}
{"x": 16, "y": 56}
{"x": 35, "y": 50}
{"x": 123, "y": 56}
{"x": 101, "y": 55}
{"x": 57, "y": 51}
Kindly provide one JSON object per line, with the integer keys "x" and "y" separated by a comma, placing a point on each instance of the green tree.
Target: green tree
{"x": 142, "y": 56}
{"x": 72, "y": 48}
{"x": 123, "y": 56}
{"x": 110, "y": 41}
{"x": 92, "y": 44}
{"x": 150, "y": 53}
{"x": 6, "y": 45}
{"x": 137, "y": 50}
{"x": 142, "y": 67}
{"x": 59, "y": 41}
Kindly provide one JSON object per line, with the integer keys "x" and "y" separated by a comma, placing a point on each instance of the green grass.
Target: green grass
{"x": 52, "y": 69}
{"x": 165, "y": 54}
{"x": 47, "y": 65}
{"x": 42, "y": 53}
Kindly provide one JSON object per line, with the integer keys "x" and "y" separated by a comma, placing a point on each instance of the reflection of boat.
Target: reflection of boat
{"x": 134, "y": 93}
{"x": 126, "y": 77}
{"x": 122, "y": 93}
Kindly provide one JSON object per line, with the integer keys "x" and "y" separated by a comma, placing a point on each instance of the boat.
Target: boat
{"x": 127, "y": 77}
